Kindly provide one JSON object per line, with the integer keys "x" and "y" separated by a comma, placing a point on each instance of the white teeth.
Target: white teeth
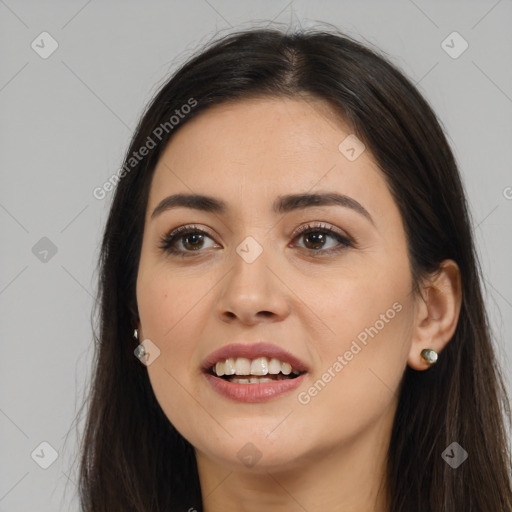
{"x": 242, "y": 366}
{"x": 219, "y": 369}
{"x": 229, "y": 366}
{"x": 274, "y": 366}
{"x": 258, "y": 366}
{"x": 286, "y": 368}
{"x": 252, "y": 380}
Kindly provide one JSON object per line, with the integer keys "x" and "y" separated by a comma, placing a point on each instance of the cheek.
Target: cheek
{"x": 170, "y": 311}
{"x": 361, "y": 370}
{"x": 164, "y": 303}
{"x": 167, "y": 316}
{"x": 363, "y": 361}
{"x": 174, "y": 304}
{"x": 366, "y": 305}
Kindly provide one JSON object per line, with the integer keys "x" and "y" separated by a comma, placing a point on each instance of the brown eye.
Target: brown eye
{"x": 183, "y": 240}
{"x": 316, "y": 237}
{"x": 193, "y": 241}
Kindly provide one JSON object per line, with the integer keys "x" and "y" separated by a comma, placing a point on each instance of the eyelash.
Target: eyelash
{"x": 167, "y": 241}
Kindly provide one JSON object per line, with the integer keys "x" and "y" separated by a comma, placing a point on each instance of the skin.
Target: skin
{"x": 330, "y": 453}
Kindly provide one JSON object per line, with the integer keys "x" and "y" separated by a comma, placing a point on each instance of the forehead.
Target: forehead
{"x": 255, "y": 149}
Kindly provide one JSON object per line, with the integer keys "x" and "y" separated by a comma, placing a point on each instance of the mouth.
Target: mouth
{"x": 241, "y": 370}
{"x": 253, "y": 373}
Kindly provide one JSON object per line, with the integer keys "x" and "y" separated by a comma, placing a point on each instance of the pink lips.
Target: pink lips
{"x": 257, "y": 392}
{"x": 253, "y": 392}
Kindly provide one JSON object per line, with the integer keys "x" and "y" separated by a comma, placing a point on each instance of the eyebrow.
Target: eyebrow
{"x": 282, "y": 204}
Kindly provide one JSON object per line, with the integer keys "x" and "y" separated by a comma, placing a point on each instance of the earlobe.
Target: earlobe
{"x": 437, "y": 316}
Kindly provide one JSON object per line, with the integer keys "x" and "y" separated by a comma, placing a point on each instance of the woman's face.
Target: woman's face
{"x": 339, "y": 302}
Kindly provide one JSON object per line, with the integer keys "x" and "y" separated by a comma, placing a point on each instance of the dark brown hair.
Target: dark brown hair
{"x": 132, "y": 458}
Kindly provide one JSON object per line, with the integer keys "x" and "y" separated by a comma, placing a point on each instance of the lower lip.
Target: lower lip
{"x": 258, "y": 392}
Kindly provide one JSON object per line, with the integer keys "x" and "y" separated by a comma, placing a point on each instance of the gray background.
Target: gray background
{"x": 66, "y": 123}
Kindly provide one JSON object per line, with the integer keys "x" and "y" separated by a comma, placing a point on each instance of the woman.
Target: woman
{"x": 291, "y": 313}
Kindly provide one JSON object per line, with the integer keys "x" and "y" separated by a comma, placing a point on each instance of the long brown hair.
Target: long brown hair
{"x": 132, "y": 458}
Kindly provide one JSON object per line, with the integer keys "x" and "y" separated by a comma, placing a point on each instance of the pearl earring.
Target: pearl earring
{"x": 429, "y": 355}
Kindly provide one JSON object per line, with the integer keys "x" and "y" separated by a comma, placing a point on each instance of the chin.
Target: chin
{"x": 256, "y": 453}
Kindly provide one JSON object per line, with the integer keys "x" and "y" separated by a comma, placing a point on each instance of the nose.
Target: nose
{"x": 252, "y": 293}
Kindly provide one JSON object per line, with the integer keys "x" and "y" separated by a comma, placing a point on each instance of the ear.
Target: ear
{"x": 437, "y": 313}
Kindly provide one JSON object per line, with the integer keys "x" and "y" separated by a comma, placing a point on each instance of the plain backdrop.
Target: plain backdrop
{"x": 67, "y": 118}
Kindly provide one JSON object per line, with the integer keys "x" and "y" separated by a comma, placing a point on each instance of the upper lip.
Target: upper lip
{"x": 252, "y": 352}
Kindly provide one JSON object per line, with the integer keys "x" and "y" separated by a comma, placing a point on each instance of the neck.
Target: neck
{"x": 349, "y": 478}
